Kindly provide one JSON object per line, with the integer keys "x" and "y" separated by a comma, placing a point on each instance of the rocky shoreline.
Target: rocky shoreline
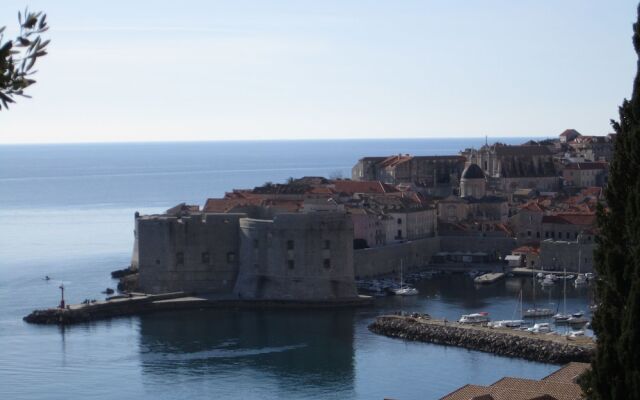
{"x": 501, "y": 342}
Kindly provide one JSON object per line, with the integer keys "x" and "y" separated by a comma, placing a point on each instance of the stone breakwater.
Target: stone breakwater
{"x": 119, "y": 306}
{"x": 544, "y": 348}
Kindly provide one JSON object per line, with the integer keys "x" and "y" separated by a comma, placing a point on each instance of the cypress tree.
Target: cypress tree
{"x": 615, "y": 372}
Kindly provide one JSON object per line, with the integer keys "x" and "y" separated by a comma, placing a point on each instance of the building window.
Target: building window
{"x": 559, "y": 235}
{"x": 538, "y": 235}
{"x": 289, "y": 244}
{"x": 546, "y": 234}
{"x": 291, "y": 264}
{"x": 180, "y": 258}
{"x": 568, "y": 235}
{"x": 205, "y": 257}
{"x": 327, "y": 244}
{"x": 327, "y": 263}
{"x": 399, "y": 221}
{"x": 399, "y": 234}
{"x": 528, "y": 233}
{"x": 256, "y": 243}
{"x": 231, "y": 257}
{"x": 576, "y": 234}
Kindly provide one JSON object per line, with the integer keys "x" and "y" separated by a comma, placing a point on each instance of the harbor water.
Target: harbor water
{"x": 66, "y": 211}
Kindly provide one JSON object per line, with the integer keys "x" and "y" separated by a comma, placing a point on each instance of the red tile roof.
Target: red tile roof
{"x": 571, "y": 219}
{"x": 532, "y": 206}
{"x": 526, "y": 250}
{"x": 392, "y": 161}
{"x": 351, "y": 187}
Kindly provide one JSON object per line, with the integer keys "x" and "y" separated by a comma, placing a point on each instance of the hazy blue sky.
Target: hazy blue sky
{"x": 205, "y": 70}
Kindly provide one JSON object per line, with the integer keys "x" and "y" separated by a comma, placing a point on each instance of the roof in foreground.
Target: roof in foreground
{"x": 560, "y": 385}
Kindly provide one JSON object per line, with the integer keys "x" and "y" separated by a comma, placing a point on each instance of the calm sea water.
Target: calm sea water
{"x": 67, "y": 211}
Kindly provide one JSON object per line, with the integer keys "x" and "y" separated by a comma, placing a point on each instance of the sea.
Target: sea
{"x": 67, "y": 212}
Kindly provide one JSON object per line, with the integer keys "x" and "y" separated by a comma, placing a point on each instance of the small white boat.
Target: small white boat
{"x": 589, "y": 275}
{"x": 542, "y": 327}
{"x": 548, "y": 282}
{"x": 477, "y": 318}
{"x": 576, "y": 333}
{"x": 581, "y": 280}
{"x": 507, "y": 323}
{"x": 406, "y": 291}
{"x": 540, "y": 275}
{"x": 538, "y": 312}
{"x": 560, "y": 318}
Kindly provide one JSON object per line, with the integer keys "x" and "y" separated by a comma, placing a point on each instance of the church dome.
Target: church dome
{"x": 472, "y": 172}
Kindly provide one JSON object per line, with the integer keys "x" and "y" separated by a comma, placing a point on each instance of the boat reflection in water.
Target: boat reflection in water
{"x": 302, "y": 351}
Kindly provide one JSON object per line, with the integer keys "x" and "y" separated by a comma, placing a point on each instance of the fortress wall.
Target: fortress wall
{"x": 284, "y": 258}
{"x": 386, "y": 260}
{"x": 194, "y": 253}
{"x": 487, "y": 244}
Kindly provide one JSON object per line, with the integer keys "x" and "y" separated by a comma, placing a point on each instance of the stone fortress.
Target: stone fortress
{"x": 311, "y": 238}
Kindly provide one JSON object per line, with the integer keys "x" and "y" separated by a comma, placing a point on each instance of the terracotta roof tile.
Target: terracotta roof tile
{"x": 569, "y": 373}
{"x": 351, "y": 187}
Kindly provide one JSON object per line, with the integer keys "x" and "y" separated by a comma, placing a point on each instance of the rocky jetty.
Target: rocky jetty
{"x": 543, "y": 348}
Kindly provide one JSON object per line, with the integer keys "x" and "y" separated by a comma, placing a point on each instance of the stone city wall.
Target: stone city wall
{"x": 496, "y": 245}
{"x": 386, "y": 260}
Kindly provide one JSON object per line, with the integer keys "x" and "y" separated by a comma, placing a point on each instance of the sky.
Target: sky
{"x": 253, "y": 69}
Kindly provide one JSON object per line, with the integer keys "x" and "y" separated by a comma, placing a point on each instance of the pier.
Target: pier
{"x": 139, "y": 303}
{"x": 507, "y": 342}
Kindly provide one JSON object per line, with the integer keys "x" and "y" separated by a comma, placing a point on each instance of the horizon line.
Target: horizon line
{"x": 276, "y": 140}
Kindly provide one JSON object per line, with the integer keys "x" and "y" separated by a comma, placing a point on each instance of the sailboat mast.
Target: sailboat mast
{"x": 533, "y": 283}
{"x": 579, "y": 256}
{"x": 564, "y": 290}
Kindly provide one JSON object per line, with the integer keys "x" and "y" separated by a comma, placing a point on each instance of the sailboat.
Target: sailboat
{"x": 581, "y": 279}
{"x": 404, "y": 290}
{"x": 536, "y": 312}
{"x": 511, "y": 323}
{"x": 563, "y": 317}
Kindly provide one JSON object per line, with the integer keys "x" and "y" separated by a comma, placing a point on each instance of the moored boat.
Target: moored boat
{"x": 537, "y": 312}
{"x": 542, "y": 327}
{"x": 476, "y": 318}
{"x": 405, "y": 291}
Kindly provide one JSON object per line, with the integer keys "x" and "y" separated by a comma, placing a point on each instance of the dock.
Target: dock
{"x": 528, "y": 272}
{"x": 549, "y": 348}
{"x": 139, "y": 303}
{"x": 488, "y": 278}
